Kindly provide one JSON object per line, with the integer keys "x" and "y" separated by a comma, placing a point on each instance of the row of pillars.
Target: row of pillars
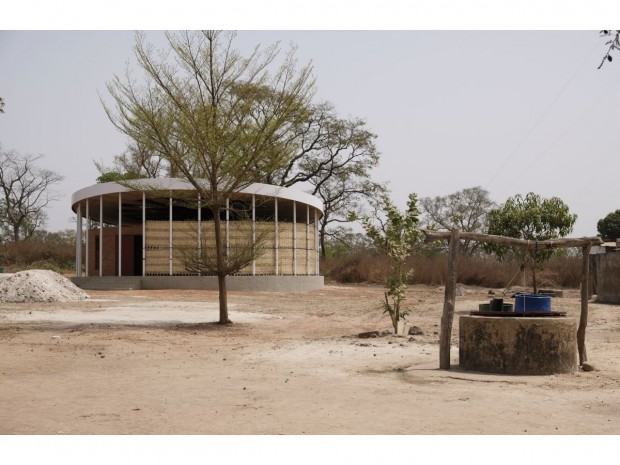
{"x": 79, "y": 235}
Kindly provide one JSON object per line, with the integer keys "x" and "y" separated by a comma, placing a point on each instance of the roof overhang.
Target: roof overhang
{"x": 176, "y": 184}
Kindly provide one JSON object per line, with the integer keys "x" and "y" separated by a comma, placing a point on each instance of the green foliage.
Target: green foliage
{"x": 115, "y": 176}
{"x": 532, "y": 218}
{"x": 609, "y": 227}
{"x": 342, "y": 241}
{"x": 396, "y": 238}
{"x": 213, "y": 117}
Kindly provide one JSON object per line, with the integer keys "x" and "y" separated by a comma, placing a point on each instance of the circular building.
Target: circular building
{"x": 149, "y": 235}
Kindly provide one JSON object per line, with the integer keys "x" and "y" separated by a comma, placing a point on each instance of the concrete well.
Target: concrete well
{"x": 518, "y": 345}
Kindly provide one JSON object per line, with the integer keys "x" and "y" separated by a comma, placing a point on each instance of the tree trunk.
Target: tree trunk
{"x": 445, "y": 336}
{"x": 220, "y": 258}
{"x": 223, "y": 294}
{"x": 16, "y": 233}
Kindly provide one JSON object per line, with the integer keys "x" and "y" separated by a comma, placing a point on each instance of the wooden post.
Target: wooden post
{"x": 448, "y": 304}
{"x": 583, "y": 320}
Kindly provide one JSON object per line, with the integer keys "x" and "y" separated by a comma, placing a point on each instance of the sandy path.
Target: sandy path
{"x": 144, "y": 363}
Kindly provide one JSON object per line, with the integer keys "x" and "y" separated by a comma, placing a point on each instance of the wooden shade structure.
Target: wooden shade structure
{"x": 454, "y": 236}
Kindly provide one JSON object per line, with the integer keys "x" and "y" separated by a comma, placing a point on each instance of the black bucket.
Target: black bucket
{"x": 496, "y": 305}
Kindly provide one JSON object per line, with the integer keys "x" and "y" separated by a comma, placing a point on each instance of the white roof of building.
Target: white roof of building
{"x": 176, "y": 184}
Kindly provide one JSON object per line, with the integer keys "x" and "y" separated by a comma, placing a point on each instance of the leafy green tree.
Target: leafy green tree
{"x": 396, "y": 237}
{"x": 216, "y": 118}
{"x": 343, "y": 241}
{"x": 532, "y": 218}
{"x": 609, "y": 227}
{"x": 115, "y": 176}
{"x": 466, "y": 210}
{"x": 65, "y": 237}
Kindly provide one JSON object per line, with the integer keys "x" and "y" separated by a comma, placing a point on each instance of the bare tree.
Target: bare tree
{"x": 26, "y": 192}
{"x": 465, "y": 210}
{"x": 327, "y": 156}
{"x": 218, "y": 119}
{"x": 333, "y": 157}
{"x": 342, "y": 194}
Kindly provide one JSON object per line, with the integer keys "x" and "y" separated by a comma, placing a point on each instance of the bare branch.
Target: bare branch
{"x": 25, "y": 192}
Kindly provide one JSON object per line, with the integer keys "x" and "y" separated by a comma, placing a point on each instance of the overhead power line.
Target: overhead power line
{"x": 541, "y": 117}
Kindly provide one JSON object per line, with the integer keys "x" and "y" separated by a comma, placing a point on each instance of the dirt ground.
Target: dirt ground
{"x": 152, "y": 362}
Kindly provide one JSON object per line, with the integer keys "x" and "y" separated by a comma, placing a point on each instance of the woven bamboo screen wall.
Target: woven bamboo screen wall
{"x": 157, "y": 247}
{"x": 296, "y": 252}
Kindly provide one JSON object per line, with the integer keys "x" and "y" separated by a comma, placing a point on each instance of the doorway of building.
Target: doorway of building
{"x": 131, "y": 255}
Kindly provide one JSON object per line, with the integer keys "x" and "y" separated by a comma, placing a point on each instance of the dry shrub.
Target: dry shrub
{"x": 359, "y": 267}
{"x": 37, "y": 254}
{"x": 428, "y": 270}
{"x": 563, "y": 272}
{"x": 484, "y": 271}
{"x": 471, "y": 271}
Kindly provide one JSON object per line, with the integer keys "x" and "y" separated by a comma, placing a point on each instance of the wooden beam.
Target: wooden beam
{"x": 449, "y": 302}
{"x": 513, "y": 242}
{"x": 583, "y": 319}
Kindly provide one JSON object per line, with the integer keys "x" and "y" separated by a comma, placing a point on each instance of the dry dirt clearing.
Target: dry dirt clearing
{"x": 151, "y": 362}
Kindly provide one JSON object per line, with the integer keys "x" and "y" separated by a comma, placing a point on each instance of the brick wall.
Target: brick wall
{"x": 110, "y": 249}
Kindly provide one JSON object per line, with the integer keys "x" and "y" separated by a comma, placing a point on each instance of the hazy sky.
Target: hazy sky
{"x": 512, "y": 112}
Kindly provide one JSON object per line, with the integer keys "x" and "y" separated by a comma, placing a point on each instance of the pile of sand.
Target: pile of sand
{"x": 38, "y": 286}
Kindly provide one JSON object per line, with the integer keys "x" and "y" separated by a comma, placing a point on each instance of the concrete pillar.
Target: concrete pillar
{"x": 87, "y": 246}
{"x": 78, "y": 241}
{"x": 101, "y": 235}
{"x": 143, "y": 234}
{"x": 254, "y": 231}
{"x": 170, "y": 237}
{"x": 316, "y": 241}
{"x": 294, "y": 238}
{"x": 199, "y": 232}
{"x": 120, "y": 235}
{"x": 307, "y": 240}
{"x": 227, "y": 229}
{"x": 276, "y": 241}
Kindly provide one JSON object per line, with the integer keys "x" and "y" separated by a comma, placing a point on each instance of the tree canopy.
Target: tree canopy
{"x": 327, "y": 156}
{"x": 332, "y": 159}
{"x": 609, "y": 227}
{"x": 465, "y": 210}
{"x": 531, "y": 218}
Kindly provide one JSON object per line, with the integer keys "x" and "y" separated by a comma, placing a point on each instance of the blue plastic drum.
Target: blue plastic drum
{"x": 532, "y": 303}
